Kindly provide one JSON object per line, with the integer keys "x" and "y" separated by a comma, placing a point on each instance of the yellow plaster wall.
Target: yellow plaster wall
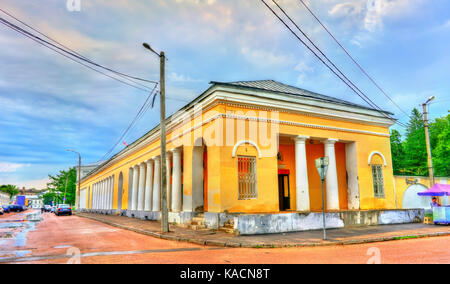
{"x": 401, "y": 185}
{"x": 222, "y": 168}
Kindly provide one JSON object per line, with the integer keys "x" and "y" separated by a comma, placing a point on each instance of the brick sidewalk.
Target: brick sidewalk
{"x": 345, "y": 236}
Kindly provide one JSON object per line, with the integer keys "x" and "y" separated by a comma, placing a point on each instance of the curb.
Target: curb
{"x": 236, "y": 244}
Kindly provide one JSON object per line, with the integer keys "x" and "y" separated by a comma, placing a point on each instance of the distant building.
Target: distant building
{"x": 4, "y": 198}
{"x": 35, "y": 201}
{"x": 33, "y": 197}
{"x": 86, "y": 169}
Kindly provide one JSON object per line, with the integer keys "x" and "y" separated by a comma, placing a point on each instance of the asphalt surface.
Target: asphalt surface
{"x": 32, "y": 237}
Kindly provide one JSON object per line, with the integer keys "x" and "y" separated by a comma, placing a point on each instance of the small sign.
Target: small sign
{"x": 322, "y": 167}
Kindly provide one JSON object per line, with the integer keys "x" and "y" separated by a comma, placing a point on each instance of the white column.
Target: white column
{"x": 111, "y": 202}
{"x": 157, "y": 185}
{"x": 99, "y": 204}
{"x": 134, "y": 197}
{"x": 105, "y": 189}
{"x": 331, "y": 177}
{"x": 149, "y": 186}
{"x": 98, "y": 195}
{"x": 108, "y": 204}
{"x": 141, "y": 194}
{"x": 94, "y": 196}
{"x": 176, "y": 179}
{"x": 103, "y": 195}
{"x": 301, "y": 174}
{"x": 169, "y": 184}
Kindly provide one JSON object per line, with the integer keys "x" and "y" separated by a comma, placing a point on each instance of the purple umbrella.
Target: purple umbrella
{"x": 437, "y": 190}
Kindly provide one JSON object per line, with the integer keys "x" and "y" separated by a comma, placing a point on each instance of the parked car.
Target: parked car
{"x": 47, "y": 208}
{"x": 63, "y": 209}
{"x": 6, "y": 208}
{"x": 52, "y": 209}
{"x": 1, "y": 211}
{"x": 16, "y": 208}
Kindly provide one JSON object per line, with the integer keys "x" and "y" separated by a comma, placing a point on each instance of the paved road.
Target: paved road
{"x": 34, "y": 238}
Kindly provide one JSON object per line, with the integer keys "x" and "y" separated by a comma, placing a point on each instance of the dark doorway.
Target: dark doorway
{"x": 284, "y": 192}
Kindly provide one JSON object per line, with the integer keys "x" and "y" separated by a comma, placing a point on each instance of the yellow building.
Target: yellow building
{"x": 244, "y": 152}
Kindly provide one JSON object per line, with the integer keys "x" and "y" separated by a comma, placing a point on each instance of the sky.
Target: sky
{"x": 49, "y": 104}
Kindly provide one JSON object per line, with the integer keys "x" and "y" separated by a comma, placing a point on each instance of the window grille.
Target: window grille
{"x": 247, "y": 177}
{"x": 378, "y": 181}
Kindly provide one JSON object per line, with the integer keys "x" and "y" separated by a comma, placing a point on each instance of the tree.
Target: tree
{"x": 409, "y": 157}
{"x": 439, "y": 140}
{"x": 12, "y": 190}
{"x": 415, "y": 158}
{"x": 62, "y": 184}
{"x": 397, "y": 152}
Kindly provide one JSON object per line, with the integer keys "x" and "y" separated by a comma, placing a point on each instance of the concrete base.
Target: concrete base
{"x": 293, "y": 222}
{"x": 255, "y": 224}
{"x": 181, "y": 217}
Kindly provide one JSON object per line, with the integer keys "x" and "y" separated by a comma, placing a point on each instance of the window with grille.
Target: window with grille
{"x": 247, "y": 177}
{"x": 378, "y": 182}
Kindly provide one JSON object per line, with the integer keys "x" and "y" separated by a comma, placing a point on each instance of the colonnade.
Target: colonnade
{"x": 301, "y": 173}
{"x": 103, "y": 194}
{"x": 145, "y": 183}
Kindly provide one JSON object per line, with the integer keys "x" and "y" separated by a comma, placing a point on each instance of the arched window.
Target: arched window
{"x": 377, "y": 162}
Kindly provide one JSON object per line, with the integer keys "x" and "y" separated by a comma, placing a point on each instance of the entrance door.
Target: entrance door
{"x": 284, "y": 192}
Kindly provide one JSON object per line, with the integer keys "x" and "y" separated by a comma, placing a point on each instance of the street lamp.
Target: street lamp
{"x": 164, "y": 207}
{"x": 322, "y": 168}
{"x": 79, "y": 177}
{"x": 427, "y": 138}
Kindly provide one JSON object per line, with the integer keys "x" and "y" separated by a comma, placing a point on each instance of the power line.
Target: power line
{"x": 366, "y": 98}
{"x": 82, "y": 60}
{"x": 75, "y": 57}
{"x": 349, "y": 84}
{"x": 135, "y": 119}
{"x": 352, "y": 58}
{"x": 324, "y": 55}
{"x": 19, "y": 30}
{"x": 79, "y": 58}
{"x": 74, "y": 53}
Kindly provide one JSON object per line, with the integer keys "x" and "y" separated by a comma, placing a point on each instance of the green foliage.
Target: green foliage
{"x": 397, "y": 151}
{"x": 64, "y": 183}
{"x": 409, "y": 157}
{"x": 414, "y": 147}
{"x": 12, "y": 190}
{"x": 440, "y": 143}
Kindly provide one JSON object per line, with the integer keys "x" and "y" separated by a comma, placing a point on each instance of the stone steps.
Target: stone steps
{"x": 197, "y": 223}
{"x": 228, "y": 227}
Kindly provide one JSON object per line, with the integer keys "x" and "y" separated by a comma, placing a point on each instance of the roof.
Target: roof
{"x": 277, "y": 87}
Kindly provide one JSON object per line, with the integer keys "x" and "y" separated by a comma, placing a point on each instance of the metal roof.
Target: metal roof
{"x": 277, "y": 87}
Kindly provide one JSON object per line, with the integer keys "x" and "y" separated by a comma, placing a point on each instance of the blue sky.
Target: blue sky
{"x": 49, "y": 104}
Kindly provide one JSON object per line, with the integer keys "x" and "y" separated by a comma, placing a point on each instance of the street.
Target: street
{"x": 32, "y": 237}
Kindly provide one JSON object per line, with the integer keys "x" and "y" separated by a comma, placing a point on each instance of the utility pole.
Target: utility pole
{"x": 65, "y": 190}
{"x": 427, "y": 138}
{"x": 77, "y": 192}
{"x": 164, "y": 207}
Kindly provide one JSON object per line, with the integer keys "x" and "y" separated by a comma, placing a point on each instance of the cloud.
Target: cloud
{"x": 179, "y": 78}
{"x": 264, "y": 58}
{"x": 10, "y": 167}
{"x": 370, "y": 14}
{"x": 28, "y": 184}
